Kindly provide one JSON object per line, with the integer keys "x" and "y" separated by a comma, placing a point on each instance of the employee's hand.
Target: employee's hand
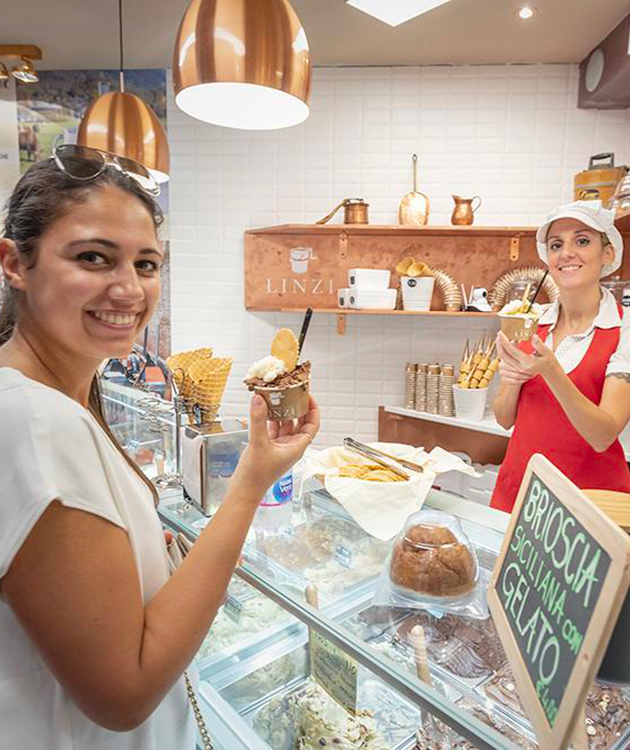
{"x": 516, "y": 367}
{"x": 274, "y": 446}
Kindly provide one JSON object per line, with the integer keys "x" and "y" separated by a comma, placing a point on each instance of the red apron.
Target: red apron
{"x": 543, "y": 427}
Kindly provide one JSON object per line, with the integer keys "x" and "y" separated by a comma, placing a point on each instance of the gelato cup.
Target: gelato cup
{"x": 286, "y": 403}
{"x": 519, "y": 327}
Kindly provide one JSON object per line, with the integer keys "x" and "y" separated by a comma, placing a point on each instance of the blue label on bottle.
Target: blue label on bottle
{"x": 280, "y": 493}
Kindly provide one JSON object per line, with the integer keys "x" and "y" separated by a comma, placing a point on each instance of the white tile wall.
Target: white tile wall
{"x": 512, "y": 134}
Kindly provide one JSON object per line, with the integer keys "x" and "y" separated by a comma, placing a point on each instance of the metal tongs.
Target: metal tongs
{"x": 382, "y": 458}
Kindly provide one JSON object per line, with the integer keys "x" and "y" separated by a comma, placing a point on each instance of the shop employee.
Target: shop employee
{"x": 567, "y": 391}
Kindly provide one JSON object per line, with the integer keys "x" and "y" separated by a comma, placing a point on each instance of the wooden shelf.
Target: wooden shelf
{"x": 342, "y": 312}
{"x": 350, "y": 311}
{"x": 395, "y": 230}
{"x": 488, "y": 424}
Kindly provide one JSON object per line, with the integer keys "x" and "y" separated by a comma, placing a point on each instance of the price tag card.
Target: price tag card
{"x": 555, "y": 595}
{"x": 233, "y": 608}
{"x": 334, "y": 671}
{"x": 343, "y": 553}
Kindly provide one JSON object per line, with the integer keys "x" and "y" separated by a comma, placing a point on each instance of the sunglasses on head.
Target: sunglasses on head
{"x": 85, "y": 163}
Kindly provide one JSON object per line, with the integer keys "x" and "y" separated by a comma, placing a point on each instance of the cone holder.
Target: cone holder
{"x": 153, "y": 411}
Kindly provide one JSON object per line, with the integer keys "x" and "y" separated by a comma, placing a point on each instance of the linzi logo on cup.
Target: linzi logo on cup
{"x": 412, "y": 282}
{"x": 275, "y": 398}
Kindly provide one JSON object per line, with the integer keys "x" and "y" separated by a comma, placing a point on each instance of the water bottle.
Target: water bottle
{"x": 274, "y": 511}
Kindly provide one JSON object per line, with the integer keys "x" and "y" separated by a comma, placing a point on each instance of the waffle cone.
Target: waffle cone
{"x": 209, "y": 379}
{"x": 181, "y": 361}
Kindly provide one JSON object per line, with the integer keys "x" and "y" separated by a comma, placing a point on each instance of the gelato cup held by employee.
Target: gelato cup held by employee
{"x": 280, "y": 380}
{"x": 519, "y": 320}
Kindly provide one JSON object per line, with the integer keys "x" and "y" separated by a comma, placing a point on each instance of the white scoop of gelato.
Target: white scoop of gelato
{"x": 268, "y": 369}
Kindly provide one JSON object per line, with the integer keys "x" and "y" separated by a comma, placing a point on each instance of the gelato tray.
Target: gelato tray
{"x": 607, "y": 709}
{"x": 462, "y": 648}
{"x": 485, "y": 713}
{"x": 276, "y": 695}
{"x": 322, "y": 549}
{"x": 245, "y": 618}
{"x": 306, "y": 718}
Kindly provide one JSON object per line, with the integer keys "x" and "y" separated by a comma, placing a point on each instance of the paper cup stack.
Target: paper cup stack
{"x": 433, "y": 389}
{"x": 410, "y": 385}
{"x": 421, "y": 387}
{"x": 446, "y": 404}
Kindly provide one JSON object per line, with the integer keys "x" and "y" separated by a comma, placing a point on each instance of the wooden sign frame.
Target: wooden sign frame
{"x": 601, "y": 624}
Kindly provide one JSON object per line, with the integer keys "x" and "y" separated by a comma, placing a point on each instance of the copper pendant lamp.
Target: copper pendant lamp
{"x": 242, "y": 64}
{"x": 123, "y": 124}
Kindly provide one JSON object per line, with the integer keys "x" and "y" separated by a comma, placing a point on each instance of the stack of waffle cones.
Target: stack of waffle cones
{"x": 201, "y": 379}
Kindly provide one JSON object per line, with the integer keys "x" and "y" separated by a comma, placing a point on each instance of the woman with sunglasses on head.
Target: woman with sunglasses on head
{"x": 94, "y": 635}
{"x": 567, "y": 392}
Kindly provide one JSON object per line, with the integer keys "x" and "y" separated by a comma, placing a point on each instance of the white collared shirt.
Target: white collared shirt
{"x": 573, "y": 348}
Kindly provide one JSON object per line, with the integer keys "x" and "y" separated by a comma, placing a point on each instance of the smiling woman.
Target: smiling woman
{"x": 99, "y": 634}
{"x": 567, "y": 392}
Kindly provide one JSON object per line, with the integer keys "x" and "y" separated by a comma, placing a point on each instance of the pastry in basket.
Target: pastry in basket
{"x": 370, "y": 473}
{"x": 280, "y": 380}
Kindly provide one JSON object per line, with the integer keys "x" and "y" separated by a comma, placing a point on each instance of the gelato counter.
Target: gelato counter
{"x": 256, "y": 681}
{"x": 255, "y": 677}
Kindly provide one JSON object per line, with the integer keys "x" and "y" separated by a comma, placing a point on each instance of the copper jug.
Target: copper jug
{"x": 464, "y": 211}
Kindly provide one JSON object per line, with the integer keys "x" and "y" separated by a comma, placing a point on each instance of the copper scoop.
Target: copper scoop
{"x": 414, "y": 207}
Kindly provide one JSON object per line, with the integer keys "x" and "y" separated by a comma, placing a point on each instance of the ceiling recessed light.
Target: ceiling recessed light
{"x": 526, "y": 12}
{"x": 395, "y": 13}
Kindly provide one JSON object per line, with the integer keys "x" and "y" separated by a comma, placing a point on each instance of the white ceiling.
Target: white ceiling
{"x": 83, "y": 34}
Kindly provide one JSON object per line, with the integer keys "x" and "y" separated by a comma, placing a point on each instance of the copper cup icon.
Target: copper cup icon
{"x": 518, "y": 328}
{"x": 285, "y": 403}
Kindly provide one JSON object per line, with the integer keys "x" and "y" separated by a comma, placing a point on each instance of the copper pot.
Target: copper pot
{"x": 355, "y": 211}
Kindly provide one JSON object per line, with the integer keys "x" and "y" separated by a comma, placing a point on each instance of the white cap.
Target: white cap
{"x": 595, "y": 216}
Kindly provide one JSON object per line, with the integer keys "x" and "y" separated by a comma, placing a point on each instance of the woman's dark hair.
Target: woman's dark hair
{"x": 43, "y": 195}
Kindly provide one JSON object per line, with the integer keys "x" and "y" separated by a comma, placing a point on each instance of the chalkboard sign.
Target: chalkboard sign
{"x": 555, "y": 595}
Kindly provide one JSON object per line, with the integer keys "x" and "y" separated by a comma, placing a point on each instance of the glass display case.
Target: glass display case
{"x": 144, "y": 424}
{"x": 256, "y": 684}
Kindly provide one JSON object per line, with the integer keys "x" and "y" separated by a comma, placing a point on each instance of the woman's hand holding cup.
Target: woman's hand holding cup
{"x": 274, "y": 447}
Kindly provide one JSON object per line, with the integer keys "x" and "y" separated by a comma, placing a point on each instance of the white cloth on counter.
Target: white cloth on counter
{"x": 573, "y": 348}
{"x": 52, "y": 448}
{"x": 380, "y": 508}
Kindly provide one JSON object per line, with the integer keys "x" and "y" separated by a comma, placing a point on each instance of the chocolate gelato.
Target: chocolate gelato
{"x": 511, "y": 733}
{"x": 431, "y": 560}
{"x": 607, "y": 709}
{"x": 463, "y": 646}
{"x": 299, "y": 375}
